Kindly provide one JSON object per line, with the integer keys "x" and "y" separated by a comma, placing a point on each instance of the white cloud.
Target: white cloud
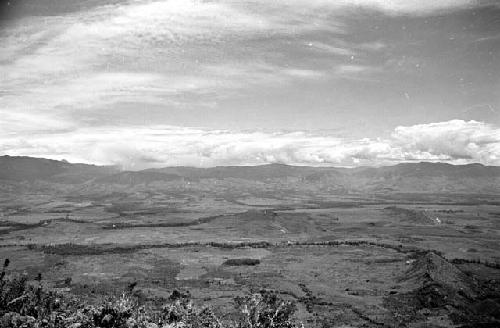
{"x": 352, "y": 69}
{"x": 413, "y": 6}
{"x": 144, "y": 51}
{"x": 139, "y": 147}
{"x": 39, "y": 103}
{"x": 46, "y": 60}
{"x": 303, "y": 73}
{"x": 340, "y": 50}
{"x": 390, "y": 6}
{"x": 454, "y": 140}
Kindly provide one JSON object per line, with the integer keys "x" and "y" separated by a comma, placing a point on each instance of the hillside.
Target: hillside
{"x": 22, "y": 168}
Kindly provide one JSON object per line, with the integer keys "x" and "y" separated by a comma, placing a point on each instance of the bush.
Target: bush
{"x": 238, "y": 262}
{"x": 25, "y": 304}
{"x": 265, "y": 310}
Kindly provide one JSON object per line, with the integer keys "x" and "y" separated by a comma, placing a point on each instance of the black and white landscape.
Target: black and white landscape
{"x": 249, "y": 164}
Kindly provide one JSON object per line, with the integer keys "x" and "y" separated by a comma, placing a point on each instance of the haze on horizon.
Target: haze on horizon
{"x": 153, "y": 83}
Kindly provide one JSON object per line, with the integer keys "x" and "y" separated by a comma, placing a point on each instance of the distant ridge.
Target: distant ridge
{"x": 24, "y": 168}
{"x": 403, "y": 177}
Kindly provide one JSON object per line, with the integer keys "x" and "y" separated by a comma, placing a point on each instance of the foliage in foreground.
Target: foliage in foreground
{"x": 25, "y": 304}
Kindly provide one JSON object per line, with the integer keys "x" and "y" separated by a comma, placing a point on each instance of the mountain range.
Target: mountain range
{"x": 404, "y": 177}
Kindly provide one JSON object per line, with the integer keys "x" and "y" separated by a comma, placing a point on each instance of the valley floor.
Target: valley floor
{"x": 350, "y": 261}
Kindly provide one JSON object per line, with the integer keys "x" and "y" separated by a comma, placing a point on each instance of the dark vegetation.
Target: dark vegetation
{"x": 238, "y": 262}
{"x": 98, "y": 249}
{"x": 25, "y": 303}
{"x": 490, "y": 264}
{"x": 411, "y": 215}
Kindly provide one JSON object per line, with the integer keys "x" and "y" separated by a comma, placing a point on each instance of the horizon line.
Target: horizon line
{"x": 118, "y": 166}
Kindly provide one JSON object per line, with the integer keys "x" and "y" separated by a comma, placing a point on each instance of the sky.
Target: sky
{"x": 153, "y": 83}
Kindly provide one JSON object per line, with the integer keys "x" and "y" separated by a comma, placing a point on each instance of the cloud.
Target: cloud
{"x": 356, "y": 72}
{"x": 98, "y": 91}
{"x": 59, "y": 100}
{"x": 136, "y": 147}
{"x": 414, "y": 6}
{"x": 340, "y": 50}
{"x": 140, "y": 51}
{"x": 45, "y": 59}
{"x": 349, "y": 69}
{"x": 390, "y": 6}
{"x": 454, "y": 140}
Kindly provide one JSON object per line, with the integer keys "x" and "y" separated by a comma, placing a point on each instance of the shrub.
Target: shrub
{"x": 238, "y": 262}
{"x": 25, "y": 304}
{"x": 265, "y": 310}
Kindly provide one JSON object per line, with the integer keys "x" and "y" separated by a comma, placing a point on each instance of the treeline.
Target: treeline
{"x": 490, "y": 264}
{"x": 99, "y": 249}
